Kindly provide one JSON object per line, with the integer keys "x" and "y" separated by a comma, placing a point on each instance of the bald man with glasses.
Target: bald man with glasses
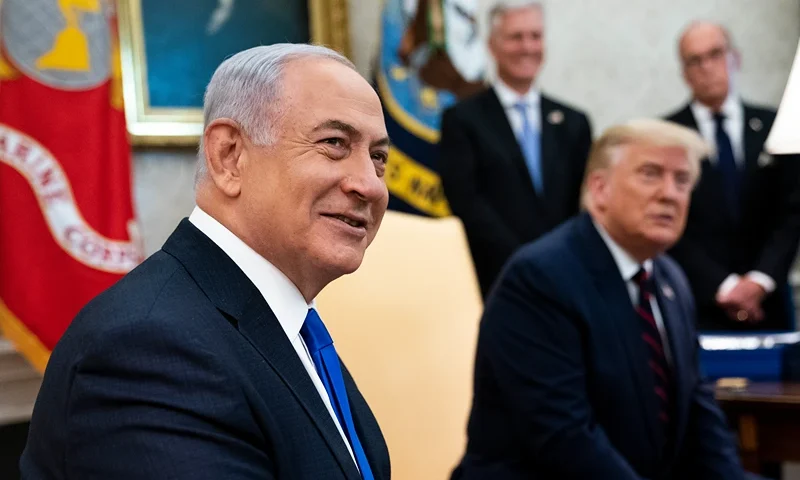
{"x": 744, "y": 225}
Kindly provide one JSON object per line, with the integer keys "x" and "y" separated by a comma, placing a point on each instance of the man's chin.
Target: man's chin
{"x": 663, "y": 240}
{"x": 341, "y": 261}
{"x": 526, "y": 75}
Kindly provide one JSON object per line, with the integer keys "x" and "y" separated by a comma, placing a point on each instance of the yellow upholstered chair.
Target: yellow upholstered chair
{"x": 406, "y": 326}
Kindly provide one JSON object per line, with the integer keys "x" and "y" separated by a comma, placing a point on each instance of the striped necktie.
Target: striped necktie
{"x": 657, "y": 360}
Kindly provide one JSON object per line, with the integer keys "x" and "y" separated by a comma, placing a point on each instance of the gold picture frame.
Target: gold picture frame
{"x": 180, "y": 126}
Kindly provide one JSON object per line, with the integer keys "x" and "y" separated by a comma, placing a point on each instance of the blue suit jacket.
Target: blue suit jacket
{"x": 562, "y": 385}
{"x": 182, "y": 371}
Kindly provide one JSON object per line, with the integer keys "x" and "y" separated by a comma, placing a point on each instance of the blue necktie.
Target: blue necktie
{"x": 326, "y": 361}
{"x": 530, "y": 142}
{"x": 726, "y": 164}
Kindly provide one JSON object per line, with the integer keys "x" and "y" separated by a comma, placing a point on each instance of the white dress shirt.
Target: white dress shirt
{"x": 282, "y": 296}
{"x": 628, "y": 268}
{"x": 508, "y": 98}
{"x": 733, "y": 109}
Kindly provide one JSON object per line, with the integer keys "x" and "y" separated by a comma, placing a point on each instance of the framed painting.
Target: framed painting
{"x": 170, "y": 49}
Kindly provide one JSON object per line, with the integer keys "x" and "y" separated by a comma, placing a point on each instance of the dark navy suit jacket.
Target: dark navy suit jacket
{"x": 487, "y": 182}
{"x": 763, "y": 237}
{"x": 182, "y": 371}
{"x": 563, "y": 389}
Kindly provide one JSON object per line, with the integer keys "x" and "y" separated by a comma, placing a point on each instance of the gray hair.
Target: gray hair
{"x": 501, "y": 7}
{"x": 246, "y": 88}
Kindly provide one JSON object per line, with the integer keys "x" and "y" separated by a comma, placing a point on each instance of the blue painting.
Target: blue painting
{"x": 185, "y": 40}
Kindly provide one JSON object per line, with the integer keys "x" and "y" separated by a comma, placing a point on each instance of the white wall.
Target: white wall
{"x": 163, "y": 192}
{"x": 618, "y": 58}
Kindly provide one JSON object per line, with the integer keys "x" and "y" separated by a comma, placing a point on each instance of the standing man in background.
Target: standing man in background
{"x": 209, "y": 360}
{"x": 744, "y": 224}
{"x": 511, "y": 159}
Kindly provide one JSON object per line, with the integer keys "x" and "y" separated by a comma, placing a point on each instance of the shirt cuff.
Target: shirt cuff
{"x": 728, "y": 284}
{"x": 761, "y": 278}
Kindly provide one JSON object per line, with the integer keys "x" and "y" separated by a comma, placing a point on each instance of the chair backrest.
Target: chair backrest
{"x": 406, "y": 326}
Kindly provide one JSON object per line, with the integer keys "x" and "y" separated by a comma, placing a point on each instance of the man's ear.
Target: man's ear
{"x": 223, "y": 144}
{"x": 597, "y": 187}
{"x": 491, "y": 44}
{"x": 736, "y": 60}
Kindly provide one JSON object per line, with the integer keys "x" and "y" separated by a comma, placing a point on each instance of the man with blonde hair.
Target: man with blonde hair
{"x": 605, "y": 151}
{"x": 587, "y": 357}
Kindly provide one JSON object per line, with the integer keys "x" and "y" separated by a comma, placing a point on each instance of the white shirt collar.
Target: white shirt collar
{"x": 732, "y": 109}
{"x": 627, "y": 265}
{"x": 508, "y": 97}
{"x": 282, "y": 296}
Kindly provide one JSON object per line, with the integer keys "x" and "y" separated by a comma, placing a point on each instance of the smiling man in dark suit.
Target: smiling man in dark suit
{"x": 587, "y": 365}
{"x": 512, "y": 159}
{"x": 209, "y": 361}
{"x": 744, "y": 225}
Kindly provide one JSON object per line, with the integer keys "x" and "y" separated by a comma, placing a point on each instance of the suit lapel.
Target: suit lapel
{"x": 367, "y": 428}
{"x": 620, "y": 312}
{"x": 710, "y": 188}
{"x": 755, "y": 134}
{"x": 686, "y": 118}
{"x": 259, "y": 325}
{"x": 553, "y": 168}
{"x": 496, "y": 116}
{"x": 232, "y": 292}
{"x": 674, "y": 318}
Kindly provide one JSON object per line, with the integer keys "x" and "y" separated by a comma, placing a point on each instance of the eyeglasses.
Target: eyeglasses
{"x": 715, "y": 56}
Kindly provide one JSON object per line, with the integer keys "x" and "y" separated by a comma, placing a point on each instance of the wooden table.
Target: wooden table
{"x": 766, "y": 417}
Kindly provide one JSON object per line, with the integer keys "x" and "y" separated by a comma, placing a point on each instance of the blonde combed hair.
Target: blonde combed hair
{"x": 645, "y": 131}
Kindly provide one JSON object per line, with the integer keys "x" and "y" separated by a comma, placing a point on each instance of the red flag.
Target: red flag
{"x": 67, "y": 228}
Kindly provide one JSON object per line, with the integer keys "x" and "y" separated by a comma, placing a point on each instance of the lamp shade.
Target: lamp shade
{"x": 784, "y": 138}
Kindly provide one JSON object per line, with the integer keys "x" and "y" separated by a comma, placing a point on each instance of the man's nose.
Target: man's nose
{"x": 362, "y": 178}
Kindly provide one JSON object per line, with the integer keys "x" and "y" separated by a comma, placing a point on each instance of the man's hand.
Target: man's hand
{"x": 743, "y": 302}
